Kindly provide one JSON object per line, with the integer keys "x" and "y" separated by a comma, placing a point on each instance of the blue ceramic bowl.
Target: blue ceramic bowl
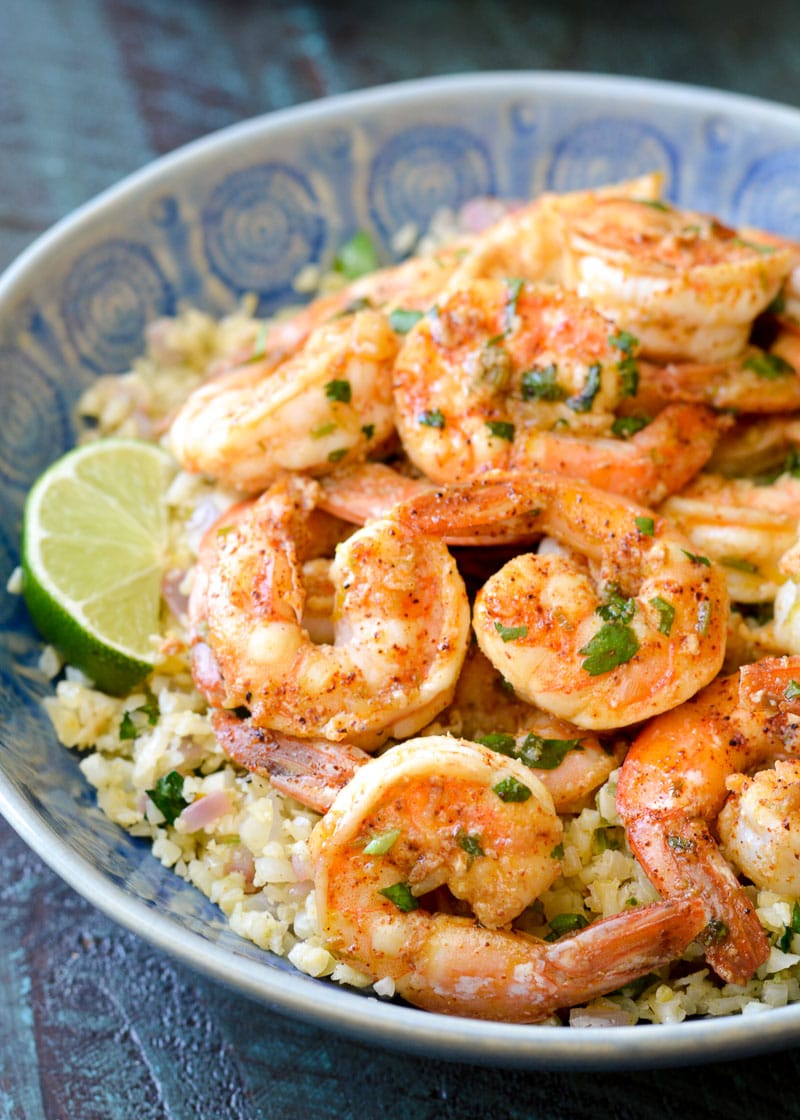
{"x": 244, "y": 211}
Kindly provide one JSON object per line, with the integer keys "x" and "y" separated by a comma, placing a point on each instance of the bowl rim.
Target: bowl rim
{"x": 327, "y": 1005}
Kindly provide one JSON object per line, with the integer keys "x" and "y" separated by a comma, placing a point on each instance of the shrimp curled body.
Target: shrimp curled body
{"x": 674, "y": 782}
{"x": 431, "y": 813}
{"x": 626, "y": 625}
{"x": 400, "y": 626}
{"x": 330, "y": 402}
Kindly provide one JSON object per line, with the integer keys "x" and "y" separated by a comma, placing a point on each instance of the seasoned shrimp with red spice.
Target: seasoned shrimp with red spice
{"x": 401, "y": 624}
{"x": 624, "y": 622}
{"x": 673, "y": 786}
{"x": 435, "y": 813}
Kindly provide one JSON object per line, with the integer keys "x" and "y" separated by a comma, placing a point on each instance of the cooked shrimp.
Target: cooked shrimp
{"x": 312, "y": 771}
{"x": 786, "y": 306}
{"x": 529, "y": 241}
{"x": 369, "y": 490}
{"x": 628, "y": 623}
{"x": 569, "y": 761}
{"x": 685, "y": 285}
{"x": 328, "y": 403}
{"x": 438, "y": 812}
{"x": 755, "y": 381}
{"x": 401, "y": 624}
{"x": 673, "y": 785}
{"x": 757, "y": 445}
{"x": 658, "y": 460}
{"x": 759, "y": 826}
{"x": 746, "y": 527}
{"x": 500, "y": 359}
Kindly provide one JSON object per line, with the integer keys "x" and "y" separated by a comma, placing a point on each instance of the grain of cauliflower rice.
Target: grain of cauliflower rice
{"x": 556, "y": 344}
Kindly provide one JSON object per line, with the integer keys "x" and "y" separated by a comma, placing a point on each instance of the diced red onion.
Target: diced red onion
{"x": 203, "y": 811}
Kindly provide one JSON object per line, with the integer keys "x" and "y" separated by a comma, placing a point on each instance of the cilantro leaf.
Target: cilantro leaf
{"x": 168, "y": 796}
{"x": 510, "y": 789}
{"x": 612, "y": 645}
{"x": 401, "y": 320}
{"x": 666, "y": 613}
{"x": 432, "y": 418}
{"x": 338, "y": 391}
{"x": 382, "y": 843}
{"x": 546, "y": 754}
{"x": 511, "y": 633}
{"x": 541, "y": 384}
{"x": 583, "y": 401}
{"x": 356, "y": 256}
{"x": 400, "y": 894}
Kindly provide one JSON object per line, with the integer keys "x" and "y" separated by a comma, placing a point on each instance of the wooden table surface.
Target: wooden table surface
{"x": 95, "y": 1023}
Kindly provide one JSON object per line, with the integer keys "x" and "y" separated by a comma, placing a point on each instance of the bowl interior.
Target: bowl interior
{"x": 244, "y": 211}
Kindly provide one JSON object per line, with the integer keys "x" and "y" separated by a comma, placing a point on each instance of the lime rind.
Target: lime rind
{"x": 93, "y": 553}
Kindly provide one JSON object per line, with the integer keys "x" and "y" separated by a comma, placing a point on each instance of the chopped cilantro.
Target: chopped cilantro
{"x": 432, "y": 418}
{"x": 627, "y": 426}
{"x": 778, "y": 305}
{"x": 624, "y": 341}
{"x": 502, "y": 429}
{"x": 511, "y": 633}
{"x": 402, "y": 320}
{"x": 792, "y": 692}
{"x": 323, "y": 430}
{"x": 628, "y": 377}
{"x": 770, "y": 366}
{"x": 653, "y": 203}
{"x": 583, "y": 401}
{"x": 497, "y": 741}
{"x": 400, "y": 894}
{"x": 666, "y": 614}
{"x": 127, "y": 728}
{"x": 259, "y": 345}
{"x": 360, "y": 303}
{"x": 738, "y": 564}
{"x": 541, "y": 384}
{"x": 383, "y": 843}
{"x": 368, "y": 430}
{"x": 168, "y": 796}
{"x": 637, "y": 987}
{"x": 509, "y": 789}
{"x": 546, "y": 754}
{"x": 338, "y": 391}
{"x": 697, "y": 559}
{"x": 337, "y": 455}
{"x": 494, "y": 365}
{"x": 612, "y": 645}
{"x": 645, "y": 525}
{"x": 356, "y": 257}
{"x": 514, "y": 288}
{"x": 565, "y": 923}
{"x": 680, "y": 843}
{"x": 557, "y": 852}
{"x": 470, "y": 843}
{"x": 617, "y": 608}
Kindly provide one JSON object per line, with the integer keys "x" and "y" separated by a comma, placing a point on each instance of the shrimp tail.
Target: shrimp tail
{"x": 310, "y": 771}
{"x": 512, "y": 976}
{"x": 688, "y": 859}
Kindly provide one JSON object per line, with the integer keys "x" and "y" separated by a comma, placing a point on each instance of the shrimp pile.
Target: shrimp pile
{"x": 516, "y": 523}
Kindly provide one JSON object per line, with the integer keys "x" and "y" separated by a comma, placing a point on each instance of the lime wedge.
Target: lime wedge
{"x": 94, "y": 539}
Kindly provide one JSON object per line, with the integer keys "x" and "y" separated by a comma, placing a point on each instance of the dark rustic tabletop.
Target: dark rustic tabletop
{"x": 95, "y": 1023}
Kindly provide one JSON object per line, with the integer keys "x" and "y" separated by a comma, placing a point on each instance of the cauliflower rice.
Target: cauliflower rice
{"x": 244, "y": 845}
